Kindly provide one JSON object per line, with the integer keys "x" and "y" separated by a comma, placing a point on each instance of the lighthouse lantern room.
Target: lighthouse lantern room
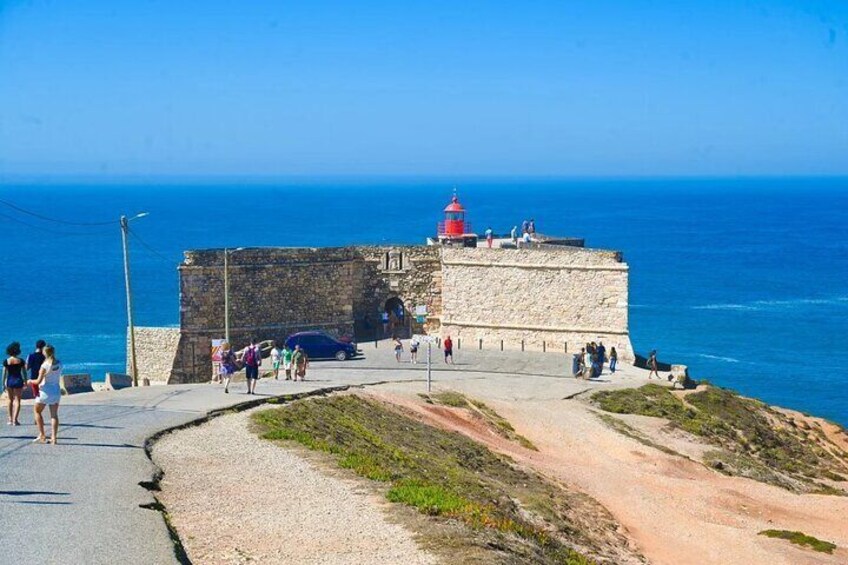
{"x": 454, "y": 229}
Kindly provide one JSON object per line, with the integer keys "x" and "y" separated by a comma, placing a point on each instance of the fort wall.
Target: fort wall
{"x": 554, "y": 298}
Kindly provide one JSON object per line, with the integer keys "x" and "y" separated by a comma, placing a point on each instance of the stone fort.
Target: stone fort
{"x": 547, "y": 297}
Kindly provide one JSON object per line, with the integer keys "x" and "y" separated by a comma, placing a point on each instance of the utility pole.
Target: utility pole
{"x": 226, "y": 297}
{"x": 130, "y": 324}
{"x": 125, "y": 226}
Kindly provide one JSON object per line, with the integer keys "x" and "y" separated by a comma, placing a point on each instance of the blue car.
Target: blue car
{"x": 319, "y": 345}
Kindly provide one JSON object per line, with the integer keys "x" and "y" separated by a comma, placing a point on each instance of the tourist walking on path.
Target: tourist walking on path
{"x": 398, "y": 348}
{"x": 613, "y": 358}
{"x": 49, "y": 395}
{"x": 581, "y": 362}
{"x": 301, "y": 363}
{"x": 652, "y": 364}
{"x": 413, "y": 350}
{"x": 587, "y": 362}
{"x": 33, "y": 363}
{"x": 14, "y": 374}
{"x": 276, "y": 359}
{"x": 287, "y": 361}
{"x": 489, "y": 237}
{"x": 252, "y": 359}
{"x": 228, "y": 365}
{"x": 602, "y": 357}
{"x": 448, "y": 349}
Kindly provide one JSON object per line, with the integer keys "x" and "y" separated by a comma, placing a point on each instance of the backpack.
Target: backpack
{"x": 250, "y": 356}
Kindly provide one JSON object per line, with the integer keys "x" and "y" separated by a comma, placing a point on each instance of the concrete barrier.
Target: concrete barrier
{"x": 117, "y": 381}
{"x": 75, "y": 384}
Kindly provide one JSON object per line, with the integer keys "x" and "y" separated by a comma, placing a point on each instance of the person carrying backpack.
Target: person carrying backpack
{"x": 252, "y": 359}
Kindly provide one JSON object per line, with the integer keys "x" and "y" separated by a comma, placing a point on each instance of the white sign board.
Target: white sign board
{"x": 421, "y": 338}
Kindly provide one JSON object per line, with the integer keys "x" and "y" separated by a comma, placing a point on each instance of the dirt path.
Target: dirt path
{"x": 677, "y": 511}
{"x": 235, "y": 498}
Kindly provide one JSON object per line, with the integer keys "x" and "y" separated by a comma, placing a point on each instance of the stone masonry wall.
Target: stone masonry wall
{"x": 156, "y": 352}
{"x": 552, "y": 299}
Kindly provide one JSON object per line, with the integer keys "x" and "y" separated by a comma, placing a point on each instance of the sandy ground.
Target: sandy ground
{"x": 234, "y": 498}
{"x": 676, "y": 510}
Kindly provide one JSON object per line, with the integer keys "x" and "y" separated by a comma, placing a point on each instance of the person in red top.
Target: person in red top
{"x": 448, "y": 349}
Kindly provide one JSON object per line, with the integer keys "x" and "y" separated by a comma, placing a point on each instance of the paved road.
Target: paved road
{"x": 81, "y": 502}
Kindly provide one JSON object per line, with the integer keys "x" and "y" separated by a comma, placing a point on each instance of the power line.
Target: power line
{"x": 66, "y": 222}
{"x": 49, "y": 230}
{"x": 148, "y": 247}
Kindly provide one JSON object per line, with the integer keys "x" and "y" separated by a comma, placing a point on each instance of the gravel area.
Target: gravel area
{"x": 234, "y": 498}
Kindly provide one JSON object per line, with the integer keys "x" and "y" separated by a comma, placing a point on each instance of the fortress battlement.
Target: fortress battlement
{"x": 548, "y": 297}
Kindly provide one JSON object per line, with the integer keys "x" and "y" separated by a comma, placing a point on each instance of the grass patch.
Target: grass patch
{"x": 754, "y": 440}
{"x": 492, "y": 419}
{"x": 511, "y": 514}
{"x": 802, "y": 539}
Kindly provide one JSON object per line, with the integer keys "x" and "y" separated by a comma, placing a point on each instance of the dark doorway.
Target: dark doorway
{"x": 397, "y": 317}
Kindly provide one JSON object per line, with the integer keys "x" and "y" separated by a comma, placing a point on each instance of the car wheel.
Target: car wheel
{"x": 341, "y": 356}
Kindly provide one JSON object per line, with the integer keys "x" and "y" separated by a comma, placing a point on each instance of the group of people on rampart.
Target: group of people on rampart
{"x": 42, "y": 372}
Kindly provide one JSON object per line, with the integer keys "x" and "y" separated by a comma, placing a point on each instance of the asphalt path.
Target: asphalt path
{"x": 82, "y": 501}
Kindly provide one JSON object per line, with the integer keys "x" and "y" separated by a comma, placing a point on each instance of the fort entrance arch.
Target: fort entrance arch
{"x": 399, "y": 317}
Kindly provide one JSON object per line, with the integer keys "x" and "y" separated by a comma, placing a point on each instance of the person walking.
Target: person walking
{"x": 287, "y": 361}
{"x": 613, "y": 359}
{"x": 652, "y": 364}
{"x": 413, "y": 350}
{"x": 252, "y": 359}
{"x": 301, "y": 363}
{"x": 33, "y": 363}
{"x": 398, "y": 348}
{"x": 49, "y": 395}
{"x": 525, "y": 227}
{"x": 276, "y": 358}
{"x": 14, "y": 374}
{"x": 602, "y": 357}
{"x": 448, "y": 343}
{"x": 489, "y": 237}
{"x": 587, "y": 362}
{"x": 229, "y": 365}
{"x": 513, "y": 235}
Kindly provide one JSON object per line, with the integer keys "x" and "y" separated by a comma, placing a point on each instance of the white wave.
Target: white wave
{"x": 719, "y": 358}
{"x": 725, "y": 307}
{"x": 776, "y": 304}
{"x": 82, "y": 336}
{"x": 77, "y": 366}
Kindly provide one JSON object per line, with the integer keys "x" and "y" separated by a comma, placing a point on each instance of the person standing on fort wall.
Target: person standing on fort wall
{"x": 513, "y": 235}
{"x": 489, "y": 237}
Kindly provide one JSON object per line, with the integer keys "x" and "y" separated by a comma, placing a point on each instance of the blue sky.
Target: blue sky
{"x": 595, "y": 88}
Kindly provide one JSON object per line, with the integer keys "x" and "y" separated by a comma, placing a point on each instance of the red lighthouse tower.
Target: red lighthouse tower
{"x": 455, "y": 230}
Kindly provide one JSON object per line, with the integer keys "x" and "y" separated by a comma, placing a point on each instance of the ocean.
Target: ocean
{"x": 743, "y": 280}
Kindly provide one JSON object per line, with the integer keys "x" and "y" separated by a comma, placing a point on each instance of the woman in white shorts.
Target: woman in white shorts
{"x": 49, "y": 394}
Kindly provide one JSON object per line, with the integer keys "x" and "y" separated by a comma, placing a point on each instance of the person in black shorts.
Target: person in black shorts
{"x": 448, "y": 349}
{"x": 14, "y": 375}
